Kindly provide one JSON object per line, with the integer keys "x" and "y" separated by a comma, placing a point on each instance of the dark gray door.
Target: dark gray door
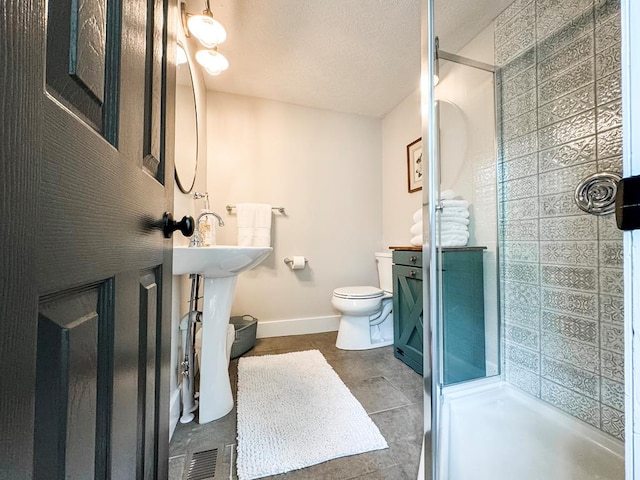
{"x": 85, "y": 289}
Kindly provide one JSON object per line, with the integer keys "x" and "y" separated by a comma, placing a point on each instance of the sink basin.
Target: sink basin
{"x": 220, "y": 266}
{"x": 217, "y": 261}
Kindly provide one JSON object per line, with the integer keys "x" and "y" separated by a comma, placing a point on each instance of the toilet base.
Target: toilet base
{"x": 354, "y": 333}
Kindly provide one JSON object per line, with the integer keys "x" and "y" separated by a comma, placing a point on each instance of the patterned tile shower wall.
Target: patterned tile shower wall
{"x": 560, "y": 121}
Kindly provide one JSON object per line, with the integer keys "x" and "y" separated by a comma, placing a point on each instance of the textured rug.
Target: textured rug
{"x": 294, "y": 412}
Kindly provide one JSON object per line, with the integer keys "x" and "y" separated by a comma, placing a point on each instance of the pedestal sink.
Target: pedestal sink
{"x": 220, "y": 266}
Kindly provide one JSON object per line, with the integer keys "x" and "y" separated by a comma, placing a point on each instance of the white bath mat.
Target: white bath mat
{"x": 294, "y": 412}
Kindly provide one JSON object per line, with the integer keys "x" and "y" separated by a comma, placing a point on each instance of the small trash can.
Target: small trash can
{"x": 246, "y": 327}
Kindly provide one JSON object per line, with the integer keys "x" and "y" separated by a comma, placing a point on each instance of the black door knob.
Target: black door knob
{"x": 169, "y": 225}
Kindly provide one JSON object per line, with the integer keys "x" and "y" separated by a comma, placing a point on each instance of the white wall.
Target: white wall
{"x": 185, "y": 205}
{"x": 325, "y": 169}
{"x": 400, "y": 127}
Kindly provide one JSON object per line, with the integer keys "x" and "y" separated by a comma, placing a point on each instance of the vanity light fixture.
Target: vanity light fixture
{"x": 210, "y": 33}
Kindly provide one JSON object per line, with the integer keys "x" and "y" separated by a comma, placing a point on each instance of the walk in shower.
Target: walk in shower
{"x": 526, "y": 113}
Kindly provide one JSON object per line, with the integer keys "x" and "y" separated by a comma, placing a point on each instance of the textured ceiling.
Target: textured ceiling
{"x": 355, "y": 56}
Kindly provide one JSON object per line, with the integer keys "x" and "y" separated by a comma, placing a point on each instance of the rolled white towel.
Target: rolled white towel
{"x": 448, "y": 195}
{"x": 455, "y": 211}
{"x": 417, "y": 216}
{"x": 416, "y": 241}
{"x": 455, "y": 203}
{"x": 454, "y": 219}
{"x": 416, "y": 228}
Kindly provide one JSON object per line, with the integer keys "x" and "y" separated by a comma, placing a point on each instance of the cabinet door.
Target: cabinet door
{"x": 407, "y": 315}
{"x": 463, "y": 312}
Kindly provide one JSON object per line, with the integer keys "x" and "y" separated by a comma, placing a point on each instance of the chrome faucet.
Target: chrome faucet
{"x": 196, "y": 239}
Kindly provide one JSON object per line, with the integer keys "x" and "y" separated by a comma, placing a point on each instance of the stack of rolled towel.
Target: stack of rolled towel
{"x": 454, "y": 220}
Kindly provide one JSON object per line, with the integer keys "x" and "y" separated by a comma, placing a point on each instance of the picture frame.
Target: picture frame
{"x": 415, "y": 165}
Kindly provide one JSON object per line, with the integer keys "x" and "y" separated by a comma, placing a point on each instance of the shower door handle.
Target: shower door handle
{"x": 628, "y": 203}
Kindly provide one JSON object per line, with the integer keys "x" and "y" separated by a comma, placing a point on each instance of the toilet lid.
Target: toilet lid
{"x": 358, "y": 292}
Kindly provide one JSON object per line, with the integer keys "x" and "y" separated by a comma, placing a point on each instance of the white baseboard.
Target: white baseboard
{"x": 298, "y": 326}
{"x": 174, "y": 410}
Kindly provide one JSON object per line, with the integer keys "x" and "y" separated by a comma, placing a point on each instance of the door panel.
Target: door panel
{"x": 85, "y": 332}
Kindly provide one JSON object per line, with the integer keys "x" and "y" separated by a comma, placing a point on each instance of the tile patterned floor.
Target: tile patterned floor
{"x": 390, "y": 392}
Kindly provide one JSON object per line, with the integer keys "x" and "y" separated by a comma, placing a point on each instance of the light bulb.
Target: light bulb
{"x": 213, "y": 62}
{"x": 206, "y": 29}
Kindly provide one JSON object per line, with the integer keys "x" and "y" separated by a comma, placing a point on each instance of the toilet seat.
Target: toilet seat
{"x": 357, "y": 293}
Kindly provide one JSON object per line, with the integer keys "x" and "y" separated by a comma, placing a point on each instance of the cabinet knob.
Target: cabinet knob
{"x": 413, "y": 259}
{"x": 412, "y": 274}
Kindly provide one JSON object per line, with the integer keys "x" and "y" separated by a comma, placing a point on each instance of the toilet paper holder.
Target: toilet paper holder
{"x": 289, "y": 261}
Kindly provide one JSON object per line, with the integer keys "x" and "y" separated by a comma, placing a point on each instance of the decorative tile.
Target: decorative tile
{"x": 573, "y": 153}
{"x": 520, "y": 272}
{"x": 611, "y": 253}
{"x": 569, "y": 253}
{"x": 522, "y": 357}
{"x": 518, "y": 84}
{"x": 520, "y": 209}
{"x": 613, "y": 422}
{"x": 570, "y": 302}
{"x": 564, "y": 107}
{"x": 608, "y": 61}
{"x": 568, "y": 351}
{"x": 568, "y": 228}
{"x": 572, "y": 79}
{"x": 552, "y": 15}
{"x": 558, "y": 205}
{"x": 582, "y": 25}
{"x": 520, "y": 146}
{"x": 576, "y": 52}
{"x": 576, "y": 278}
{"x": 584, "y": 408}
{"x": 571, "y": 377}
{"x": 610, "y": 143}
{"x": 612, "y": 337}
{"x": 518, "y": 65}
{"x": 520, "y": 188}
{"x": 611, "y": 164}
{"x": 520, "y": 252}
{"x": 521, "y": 294}
{"x": 565, "y": 179}
{"x": 567, "y": 130}
{"x": 608, "y": 33}
{"x": 519, "y": 105}
{"x": 510, "y": 12}
{"x": 522, "y": 315}
{"x": 526, "y": 230}
{"x": 518, "y": 126}
{"x": 612, "y": 365}
{"x": 523, "y": 379}
{"x": 609, "y": 116}
{"x": 605, "y": 9}
{"x": 612, "y": 394}
{"x": 571, "y": 327}
{"x": 607, "y": 228}
{"x": 520, "y": 167}
{"x": 522, "y": 336}
{"x": 513, "y": 28}
{"x": 611, "y": 281}
{"x": 612, "y": 309}
{"x": 609, "y": 88}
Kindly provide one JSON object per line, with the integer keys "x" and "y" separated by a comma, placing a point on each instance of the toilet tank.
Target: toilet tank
{"x": 385, "y": 275}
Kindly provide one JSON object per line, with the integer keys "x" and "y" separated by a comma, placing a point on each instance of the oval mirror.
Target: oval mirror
{"x": 186, "y": 126}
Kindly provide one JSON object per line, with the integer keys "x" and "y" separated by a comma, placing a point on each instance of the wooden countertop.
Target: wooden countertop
{"x": 446, "y": 249}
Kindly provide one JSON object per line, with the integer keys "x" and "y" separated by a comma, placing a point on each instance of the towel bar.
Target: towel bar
{"x": 279, "y": 209}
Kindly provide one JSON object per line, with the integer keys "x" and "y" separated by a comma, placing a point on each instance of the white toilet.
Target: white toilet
{"x": 367, "y": 317}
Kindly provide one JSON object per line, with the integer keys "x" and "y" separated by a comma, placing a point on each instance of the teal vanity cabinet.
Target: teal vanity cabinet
{"x": 462, "y": 307}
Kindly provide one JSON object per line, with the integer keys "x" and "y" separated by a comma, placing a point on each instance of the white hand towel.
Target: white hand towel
{"x": 448, "y": 195}
{"x": 416, "y": 228}
{"x": 455, "y": 203}
{"x": 454, "y": 240}
{"x": 416, "y": 241}
{"x": 454, "y": 219}
{"x": 456, "y": 211}
{"x": 417, "y": 216}
{"x": 452, "y": 227}
{"x": 254, "y": 224}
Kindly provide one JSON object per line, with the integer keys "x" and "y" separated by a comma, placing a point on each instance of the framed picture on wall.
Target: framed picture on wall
{"x": 414, "y": 165}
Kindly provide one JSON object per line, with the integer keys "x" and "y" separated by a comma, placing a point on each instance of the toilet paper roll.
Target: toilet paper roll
{"x": 298, "y": 262}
